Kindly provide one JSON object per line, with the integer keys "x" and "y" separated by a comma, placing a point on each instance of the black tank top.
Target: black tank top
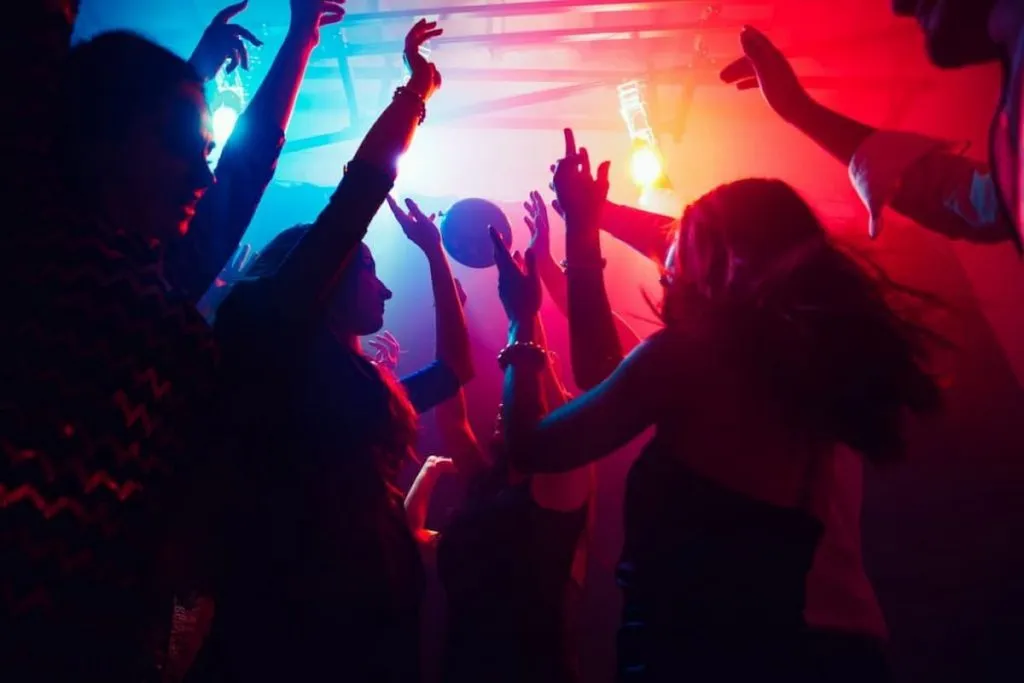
{"x": 713, "y": 581}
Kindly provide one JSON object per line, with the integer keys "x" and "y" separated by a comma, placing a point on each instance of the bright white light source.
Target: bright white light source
{"x": 224, "y": 120}
{"x": 645, "y": 166}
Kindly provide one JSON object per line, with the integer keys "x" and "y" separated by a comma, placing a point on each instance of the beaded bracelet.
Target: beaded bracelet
{"x": 413, "y": 96}
{"x": 533, "y": 355}
{"x": 596, "y": 265}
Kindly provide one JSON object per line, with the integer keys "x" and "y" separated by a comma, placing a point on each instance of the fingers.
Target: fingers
{"x": 241, "y": 257}
{"x": 234, "y": 59}
{"x": 602, "y": 173}
{"x": 328, "y": 18}
{"x": 421, "y": 32}
{"x": 749, "y": 84}
{"x": 415, "y": 212}
{"x": 228, "y": 12}
{"x": 557, "y": 207}
{"x": 584, "y": 161}
{"x": 501, "y": 256}
{"x": 739, "y": 70}
{"x": 390, "y": 338}
{"x": 517, "y": 259}
{"x": 395, "y": 209}
{"x": 243, "y": 32}
{"x": 530, "y": 269}
{"x": 570, "y": 143}
{"x": 243, "y": 54}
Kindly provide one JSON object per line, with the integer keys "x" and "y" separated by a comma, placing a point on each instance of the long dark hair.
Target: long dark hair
{"x": 390, "y": 438}
{"x": 751, "y": 261}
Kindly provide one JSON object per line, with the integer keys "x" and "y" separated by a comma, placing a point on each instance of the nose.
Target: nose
{"x": 385, "y": 293}
{"x": 201, "y": 176}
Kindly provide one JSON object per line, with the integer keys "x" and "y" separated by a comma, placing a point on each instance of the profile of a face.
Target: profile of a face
{"x": 160, "y": 168}
{"x": 956, "y": 31}
{"x": 359, "y": 303}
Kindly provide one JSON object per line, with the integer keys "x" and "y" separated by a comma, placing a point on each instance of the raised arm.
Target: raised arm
{"x": 307, "y": 278}
{"x": 249, "y": 159}
{"x": 923, "y": 179}
{"x": 588, "y": 428}
{"x": 552, "y": 276}
{"x": 454, "y": 365}
{"x": 593, "y": 336}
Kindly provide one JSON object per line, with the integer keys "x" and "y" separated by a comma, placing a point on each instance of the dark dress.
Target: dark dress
{"x": 505, "y": 565}
{"x": 713, "y": 581}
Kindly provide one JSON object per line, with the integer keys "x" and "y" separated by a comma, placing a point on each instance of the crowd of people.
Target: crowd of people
{"x": 167, "y": 438}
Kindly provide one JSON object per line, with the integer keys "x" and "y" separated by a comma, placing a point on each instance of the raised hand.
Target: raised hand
{"x": 310, "y": 15}
{"x": 581, "y": 196}
{"x": 386, "y": 351}
{"x": 417, "y": 226}
{"x": 764, "y": 66}
{"x": 536, "y": 220}
{"x": 424, "y": 78}
{"x": 222, "y": 42}
{"x": 518, "y": 286}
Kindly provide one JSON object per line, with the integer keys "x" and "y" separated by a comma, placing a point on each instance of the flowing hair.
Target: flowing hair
{"x": 752, "y": 263}
{"x": 390, "y": 436}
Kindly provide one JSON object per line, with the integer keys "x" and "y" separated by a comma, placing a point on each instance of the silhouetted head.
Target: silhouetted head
{"x": 753, "y": 265}
{"x": 135, "y": 133}
{"x": 356, "y": 307}
{"x": 956, "y": 31}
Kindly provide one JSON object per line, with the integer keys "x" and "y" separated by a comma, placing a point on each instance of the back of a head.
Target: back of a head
{"x": 115, "y": 80}
{"x": 754, "y": 264}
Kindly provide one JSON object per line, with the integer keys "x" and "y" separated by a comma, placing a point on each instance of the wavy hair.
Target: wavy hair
{"x": 751, "y": 260}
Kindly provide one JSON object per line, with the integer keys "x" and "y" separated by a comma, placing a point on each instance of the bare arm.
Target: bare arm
{"x": 305, "y": 281}
{"x": 922, "y": 179}
{"x": 250, "y": 156}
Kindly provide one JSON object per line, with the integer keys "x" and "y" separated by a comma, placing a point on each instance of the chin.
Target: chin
{"x": 371, "y": 327}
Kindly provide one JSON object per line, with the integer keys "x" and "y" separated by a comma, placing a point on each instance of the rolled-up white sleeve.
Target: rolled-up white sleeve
{"x": 930, "y": 181}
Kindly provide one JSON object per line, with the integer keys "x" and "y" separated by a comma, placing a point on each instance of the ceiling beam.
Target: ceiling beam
{"x": 530, "y": 9}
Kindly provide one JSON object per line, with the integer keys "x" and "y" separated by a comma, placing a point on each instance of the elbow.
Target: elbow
{"x": 463, "y": 370}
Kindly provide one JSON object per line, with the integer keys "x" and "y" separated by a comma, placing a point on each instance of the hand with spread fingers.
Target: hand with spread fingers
{"x": 417, "y": 226}
{"x": 223, "y": 41}
{"x": 424, "y": 78}
{"x": 386, "y": 350}
{"x": 764, "y": 66}
{"x": 536, "y": 220}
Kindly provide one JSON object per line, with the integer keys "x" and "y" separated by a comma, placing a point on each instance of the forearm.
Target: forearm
{"x": 274, "y": 101}
{"x": 554, "y": 282}
{"x": 648, "y": 233}
{"x": 522, "y": 398}
{"x": 835, "y": 133}
{"x": 593, "y": 337}
{"x": 457, "y": 437}
{"x": 553, "y": 392}
{"x": 390, "y": 136}
{"x": 417, "y": 501}
{"x": 452, "y": 334}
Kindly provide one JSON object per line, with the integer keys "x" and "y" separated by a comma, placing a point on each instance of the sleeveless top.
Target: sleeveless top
{"x": 713, "y": 581}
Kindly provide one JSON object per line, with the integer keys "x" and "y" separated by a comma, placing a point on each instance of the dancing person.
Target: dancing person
{"x": 249, "y": 159}
{"x": 925, "y": 179}
{"x": 107, "y": 373}
{"x": 320, "y": 572}
{"x": 506, "y": 558}
{"x": 725, "y": 507}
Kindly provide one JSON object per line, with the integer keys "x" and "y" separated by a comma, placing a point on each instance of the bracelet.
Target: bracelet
{"x": 413, "y": 96}
{"x": 532, "y": 355}
{"x": 595, "y": 265}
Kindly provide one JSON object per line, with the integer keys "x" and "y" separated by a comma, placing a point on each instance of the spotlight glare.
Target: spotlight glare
{"x": 645, "y": 166}
{"x": 224, "y": 120}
